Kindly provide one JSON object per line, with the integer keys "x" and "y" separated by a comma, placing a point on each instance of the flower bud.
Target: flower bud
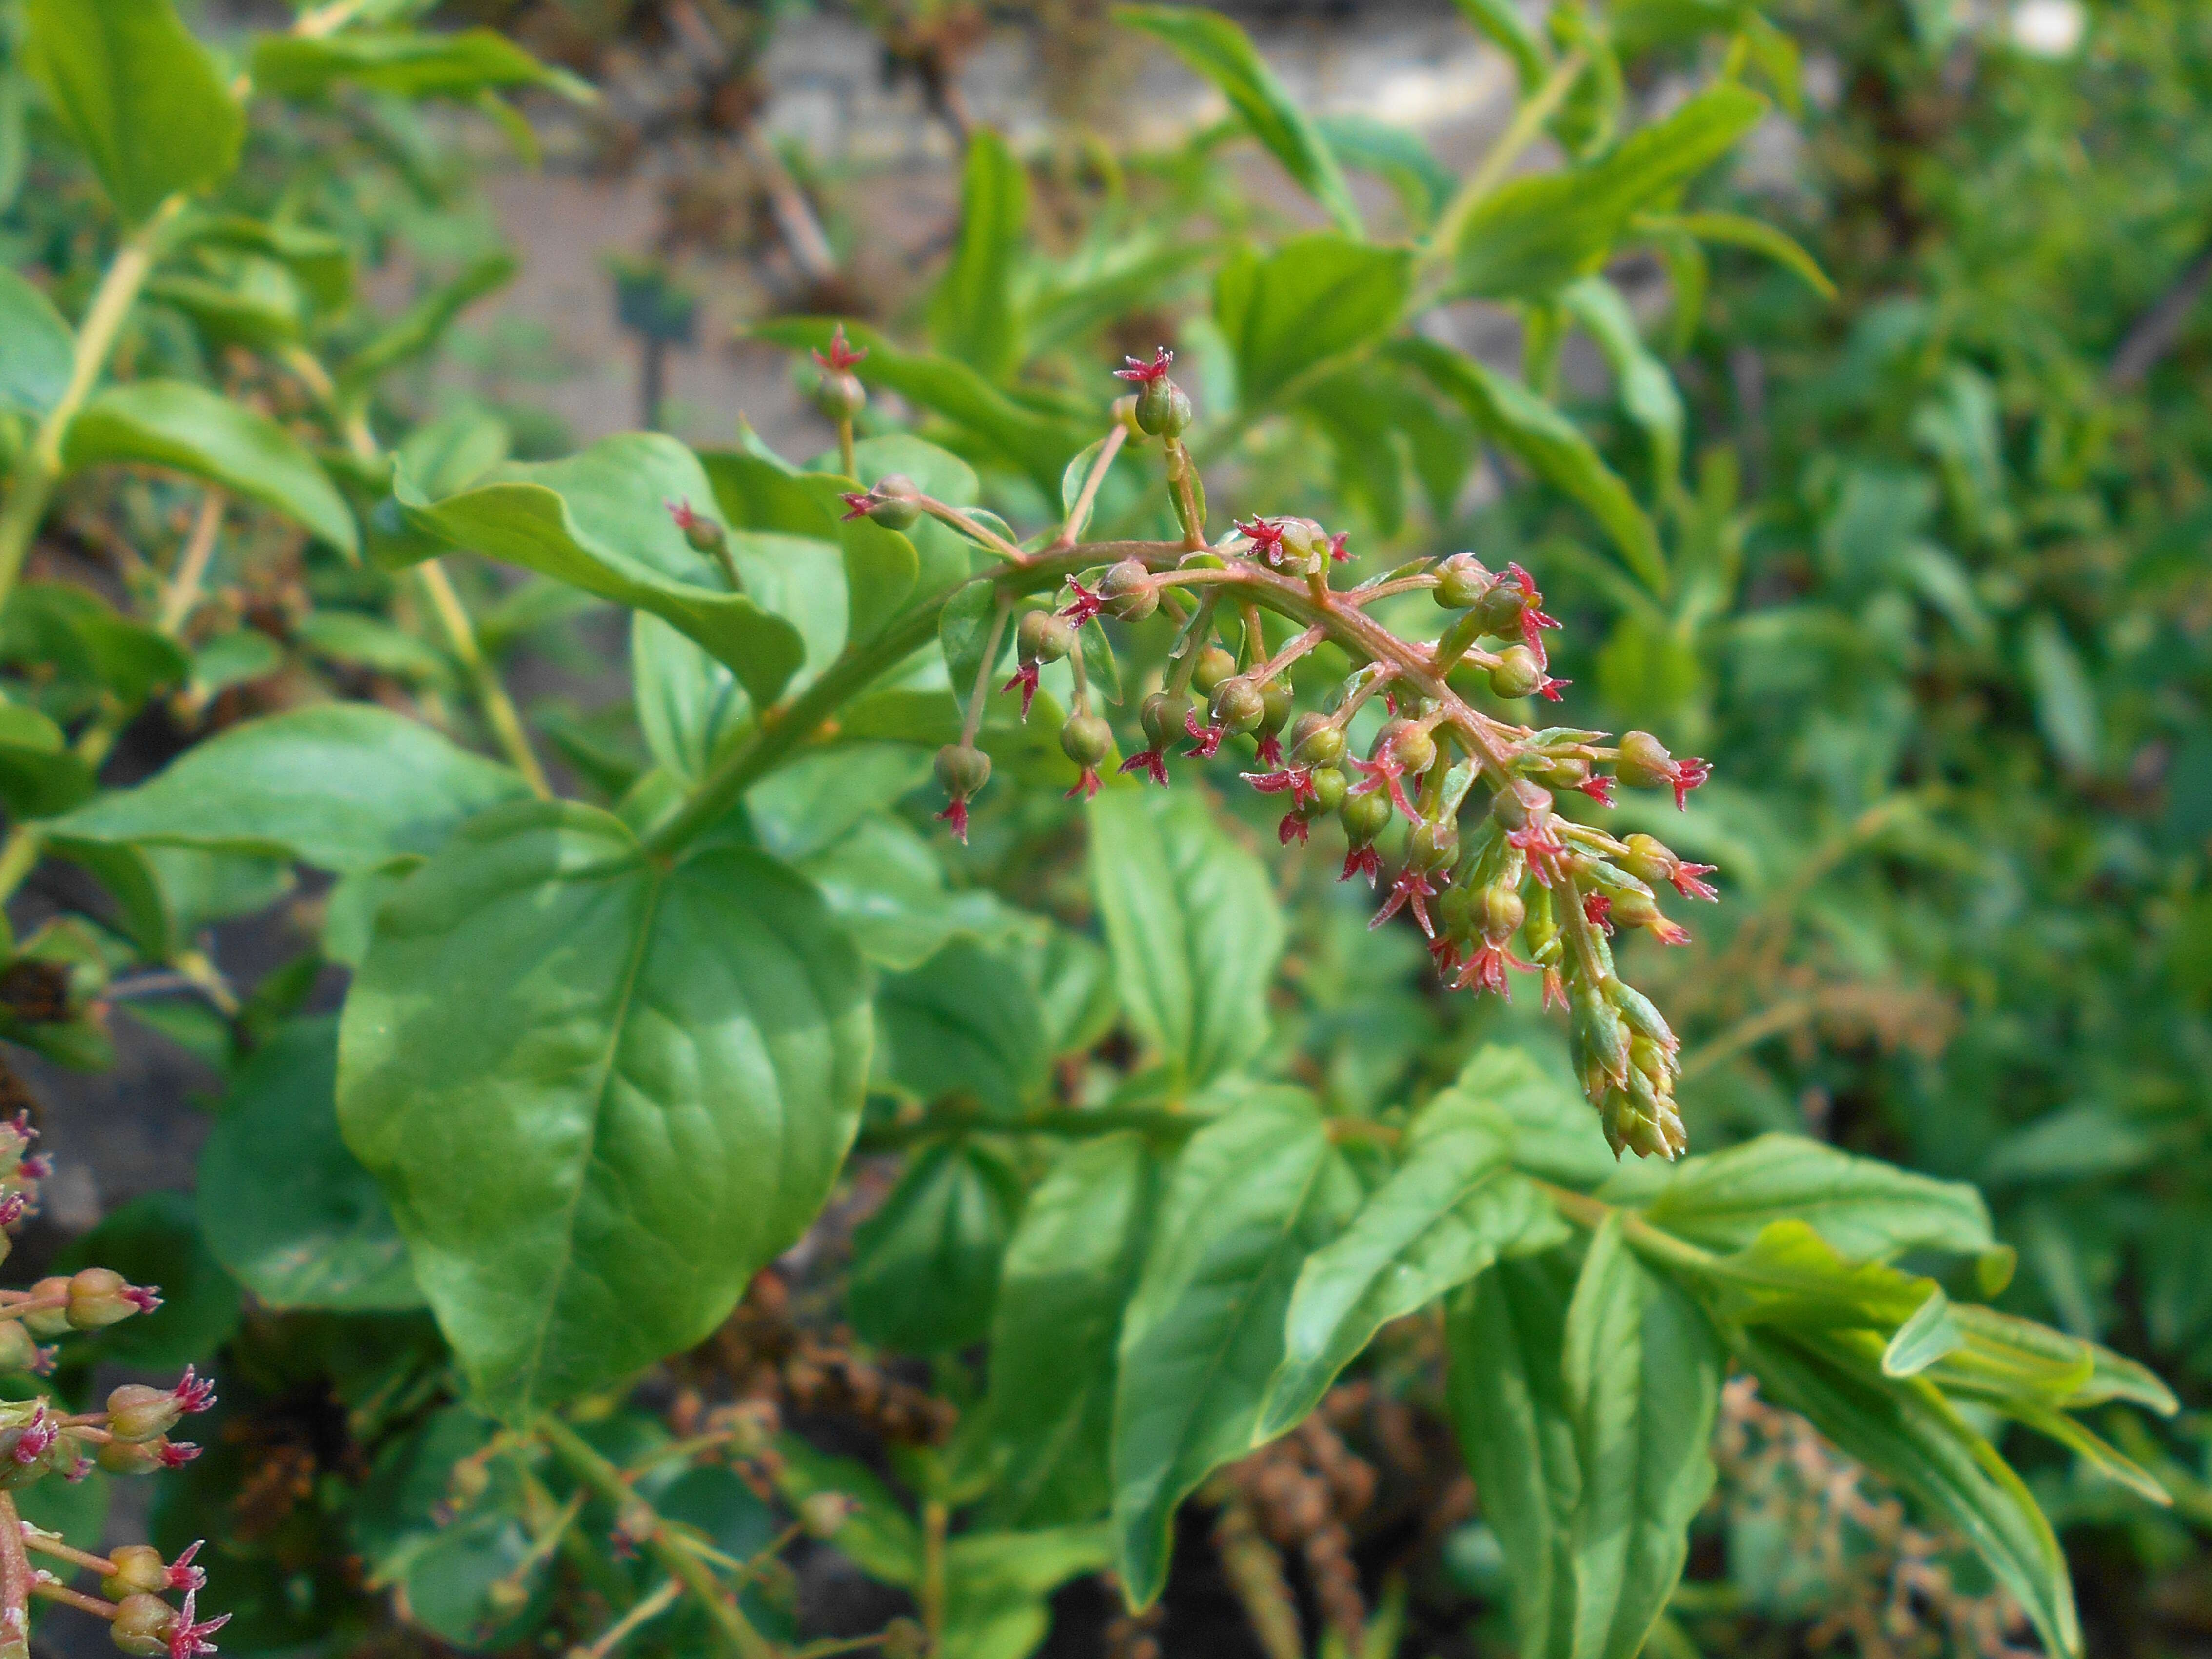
{"x": 19, "y": 1351}
{"x": 962, "y": 769}
{"x": 1165, "y": 716}
{"x": 1086, "y": 739}
{"x": 895, "y": 502}
{"x": 1129, "y": 590}
{"x": 1214, "y": 665}
{"x": 1499, "y": 910}
{"x": 1328, "y": 784}
{"x": 1644, "y": 763}
{"x": 1643, "y": 1018}
{"x": 136, "y": 1413}
{"x": 1515, "y": 805}
{"x": 1456, "y": 912}
{"x": 1497, "y": 613}
{"x": 1239, "y": 704}
{"x": 1433, "y": 844}
{"x": 129, "y": 1457}
{"x": 101, "y": 1296}
{"x": 1163, "y": 409}
{"x": 703, "y": 534}
{"x": 1043, "y": 637}
{"x": 1414, "y": 750}
{"x": 142, "y": 1624}
{"x": 840, "y": 396}
{"x": 823, "y": 1513}
{"x": 1557, "y": 771}
{"x": 1364, "y": 816}
{"x": 1275, "y": 701}
{"x": 1516, "y": 673}
{"x": 1460, "y": 581}
{"x": 139, "y": 1571}
{"x": 49, "y": 1321}
{"x": 1316, "y": 740}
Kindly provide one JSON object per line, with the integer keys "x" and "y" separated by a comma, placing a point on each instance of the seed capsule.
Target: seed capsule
{"x": 49, "y": 1321}
{"x": 1215, "y": 665}
{"x": 897, "y": 504}
{"x": 1165, "y": 716}
{"x": 1129, "y": 591}
{"x": 962, "y": 769}
{"x": 1086, "y": 739}
{"x": 1412, "y": 748}
{"x": 1644, "y": 763}
{"x": 840, "y": 396}
{"x": 1500, "y": 610}
{"x": 1163, "y": 409}
{"x": 1460, "y": 581}
{"x": 1499, "y": 910}
{"x": 1516, "y": 673}
{"x": 142, "y": 1624}
{"x": 1433, "y": 844}
{"x": 1239, "y": 704}
{"x": 1043, "y": 637}
{"x": 139, "y": 1571}
{"x": 1316, "y": 740}
{"x": 1364, "y": 816}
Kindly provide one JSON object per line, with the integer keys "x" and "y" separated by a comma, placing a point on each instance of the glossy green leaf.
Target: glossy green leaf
{"x": 1252, "y": 1195}
{"x": 1069, "y": 1270}
{"x": 1193, "y": 926}
{"x": 405, "y": 62}
{"x": 998, "y": 1586}
{"x": 254, "y": 302}
{"x": 343, "y": 786}
{"x": 1549, "y": 445}
{"x": 86, "y": 654}
{"x": 688, "y": 704}
{"x": 1313, "y": 299}
{"x": 1865, "y": 1208}
{"x": 599, "y": 1093}
{"x": 943, "y": 555}
{"x": 886, "y": 886}
{"x": 600, "y": 521}
{"x": 963, "y": 1025}
{"x": 39, "y": 773}
{"x": 1646, "y": 389}
{"x": 1906, "y": 1429}
{"x": 1442, "y": 1218}
{"x": 1641, "y": 1375}
{"x": 807, "y": 806}
{"x": 1507, "y": 1394}
{"x": 971, "y": 311}
{"x": 881, "y": 566}
{"x": 140, "y": 96}
{"x": 37, "y": 350}
{"x": 1543, "y": 231}
{"x": 1217, "y": 49}
{"x": 191, "y": 429}
{"x": 281, "y": 1203}
{"x": 926, "y": 1264}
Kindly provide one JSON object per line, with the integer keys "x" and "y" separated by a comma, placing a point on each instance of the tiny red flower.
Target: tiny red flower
{"x": 37, "y": 1438}
{"x": 1362, "y": 861}
{"x": 186, "y": 1639}
{"x": 1026, "y": 677}
{"x": 1085, "y": 606}
{"x": 1685, "y": 878}
{"x": 857, "y": 504}
{"x": 842, "y": 356}
{"x": 1533, "y": 618}
{"x": 1598, "y": 787}
{"x": 39, "y": 1166}
{"x": 193, "y": 1393}
{"x": 1411, "y": 887}
{"x": 1543, "y": 849}
{"x": 1266, "y": 536}
{"x": 681, "y": 511}
{"x": 1144, "y": 373}
{"x": 1297, "y": 780}
{"x": 1337, "y": 551}
{"x": 12, "y": 1208}
{"x": 1152, "y": 762}
{"x": 1597, "y": 908}
{"x": 1207, "y": 738}
{"x": 1386, "y": 772}
{"x": 1486, "y": 971}
{"x": 175, "y": 1454}
{"x": 1686, "y": 775}
{"x": 1291, "y": 829}
{"x": 956, "y": 814}
{"x": 1271, "y": 750}
{"x": 1666, "y": 932}
{"x": 144, "y": 1298}
{"x": 1443, "y": 952}
{"x": 1085, "y": 786}
{"x": 1555, "y": 989}
{"x": 183, "y": 1575}
{"x": 1550, "y": 690}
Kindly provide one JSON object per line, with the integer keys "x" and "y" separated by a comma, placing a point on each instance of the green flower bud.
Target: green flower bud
{"x": 1364, "y": 816}
{"x": 1516, "y": 673}
{"x": 1456, "y": 911}
{"x": 1275, "y": 697}
{"x": 1163, "y": 409}
{"x": 1433, "y": 844}
{"x": 139, "y": 1571}
{"x": 823, "y": 1514}
{"x": 1644, "y": 763}
{"x": 136, "y": 1413}
{"x": 19, "y": 1350}
{"x": 49, "y": 1321}
{"x": 1316, "y": 740}
{"x": 1215, "y": 665}
{"x": 1165, "y": 716}
{"x": 1328, "y": 787}
{"x": 101, "y": 1296}
{"x": 840, "y": 396}
{"x": 1460, "y": 581}
{"x": 1498, "y": 611}
{"x": 1414, "y": 749}
{"x": 1086, "y": 739}
{"x": 1499, "y": 910}
{"x": 1522, "y": 800}
{"x": 962, "y": 769}
{"x": 1043, "y": 637}
{"x": 142, "y": 1625}
{"x": 1129, "y": 590}
{"x": 1239, "y": 704}
{"x": 897, "y": 503}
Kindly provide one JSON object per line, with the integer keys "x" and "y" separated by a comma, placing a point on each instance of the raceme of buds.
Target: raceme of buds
{"x": 1485, "y": 857}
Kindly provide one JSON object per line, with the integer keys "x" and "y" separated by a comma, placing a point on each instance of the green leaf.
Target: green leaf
{"x": 406, "y": 63}
{"x": 1312, "y": 299}
{"x": 599, "y": 1093}
{"x": 1642, "y": 1375}
{"x": 997, "y": 1587}
{"x": 971, "y": 314}
{"x": 1071, "y": 1266}
{"x": 281, "y": 1203}
{"x": 688, "y": 704}
{"x": 343, "y": 786}
{"x": 420, "y": 328}
{"x": 1905, "y": 1428}
{"x": 926, "y": 1264}
{"x": 139, "y": 95}
{"x": 2065, "y": 700}
{"x": 1647, "y": 391}
{"x": 800, "y": 809}
{"x": 1193, "y": 926}
{"x": 963, "y": 1024}
{"x": 1540, "y": 232}
{"x": 37, "y": 350}
{"x": 886, "y": 885}
{"x": 1507, "y": 1395}
{"x": 599, "y": 520}
{"x": 1739, "y": 230}
{"x": 1500, "y": 22}
{"x": 943, "y": 555}
{"x": 1252, "y": 1195}
{"x": 39, "y": 773}
{"x": 1424, "y": 184}
{"x": 1866, "y": 1209}
{"x": 878, "y": 1535}
{"x": 1215, "y": 48}
{"x": 1551, "y": 447}
{"x": 254, "y": 302}
{"x": 1442, "y": 1218}
{"x": 84, "y": 652}
{"x": 1923, "y": 1339}
{"x": 188, "y": 427}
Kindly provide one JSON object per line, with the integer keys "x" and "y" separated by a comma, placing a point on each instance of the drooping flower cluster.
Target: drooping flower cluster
{"x": 1518, "y": 869}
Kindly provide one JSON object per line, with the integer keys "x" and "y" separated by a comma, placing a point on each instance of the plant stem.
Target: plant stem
{"x": 935, "y": 1518}
{"x": 991, "y": 540}
{"x": 40, "y": 470}
{"x": 605, "y": 1480}
{"x": 1519, "y": 134}
{"x": 499, "y": 708}
{"x": 15, "y": 1582}
{"x": 647, "y": 1606}
{"x": 1079, "y": 514}
{"x": 972, "y": 722}
{"x": 846, "y": 457}
{"x": 183, "y": 592}
{"x": 46, "y": 1544}
{"x": 100, "y": 1606}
